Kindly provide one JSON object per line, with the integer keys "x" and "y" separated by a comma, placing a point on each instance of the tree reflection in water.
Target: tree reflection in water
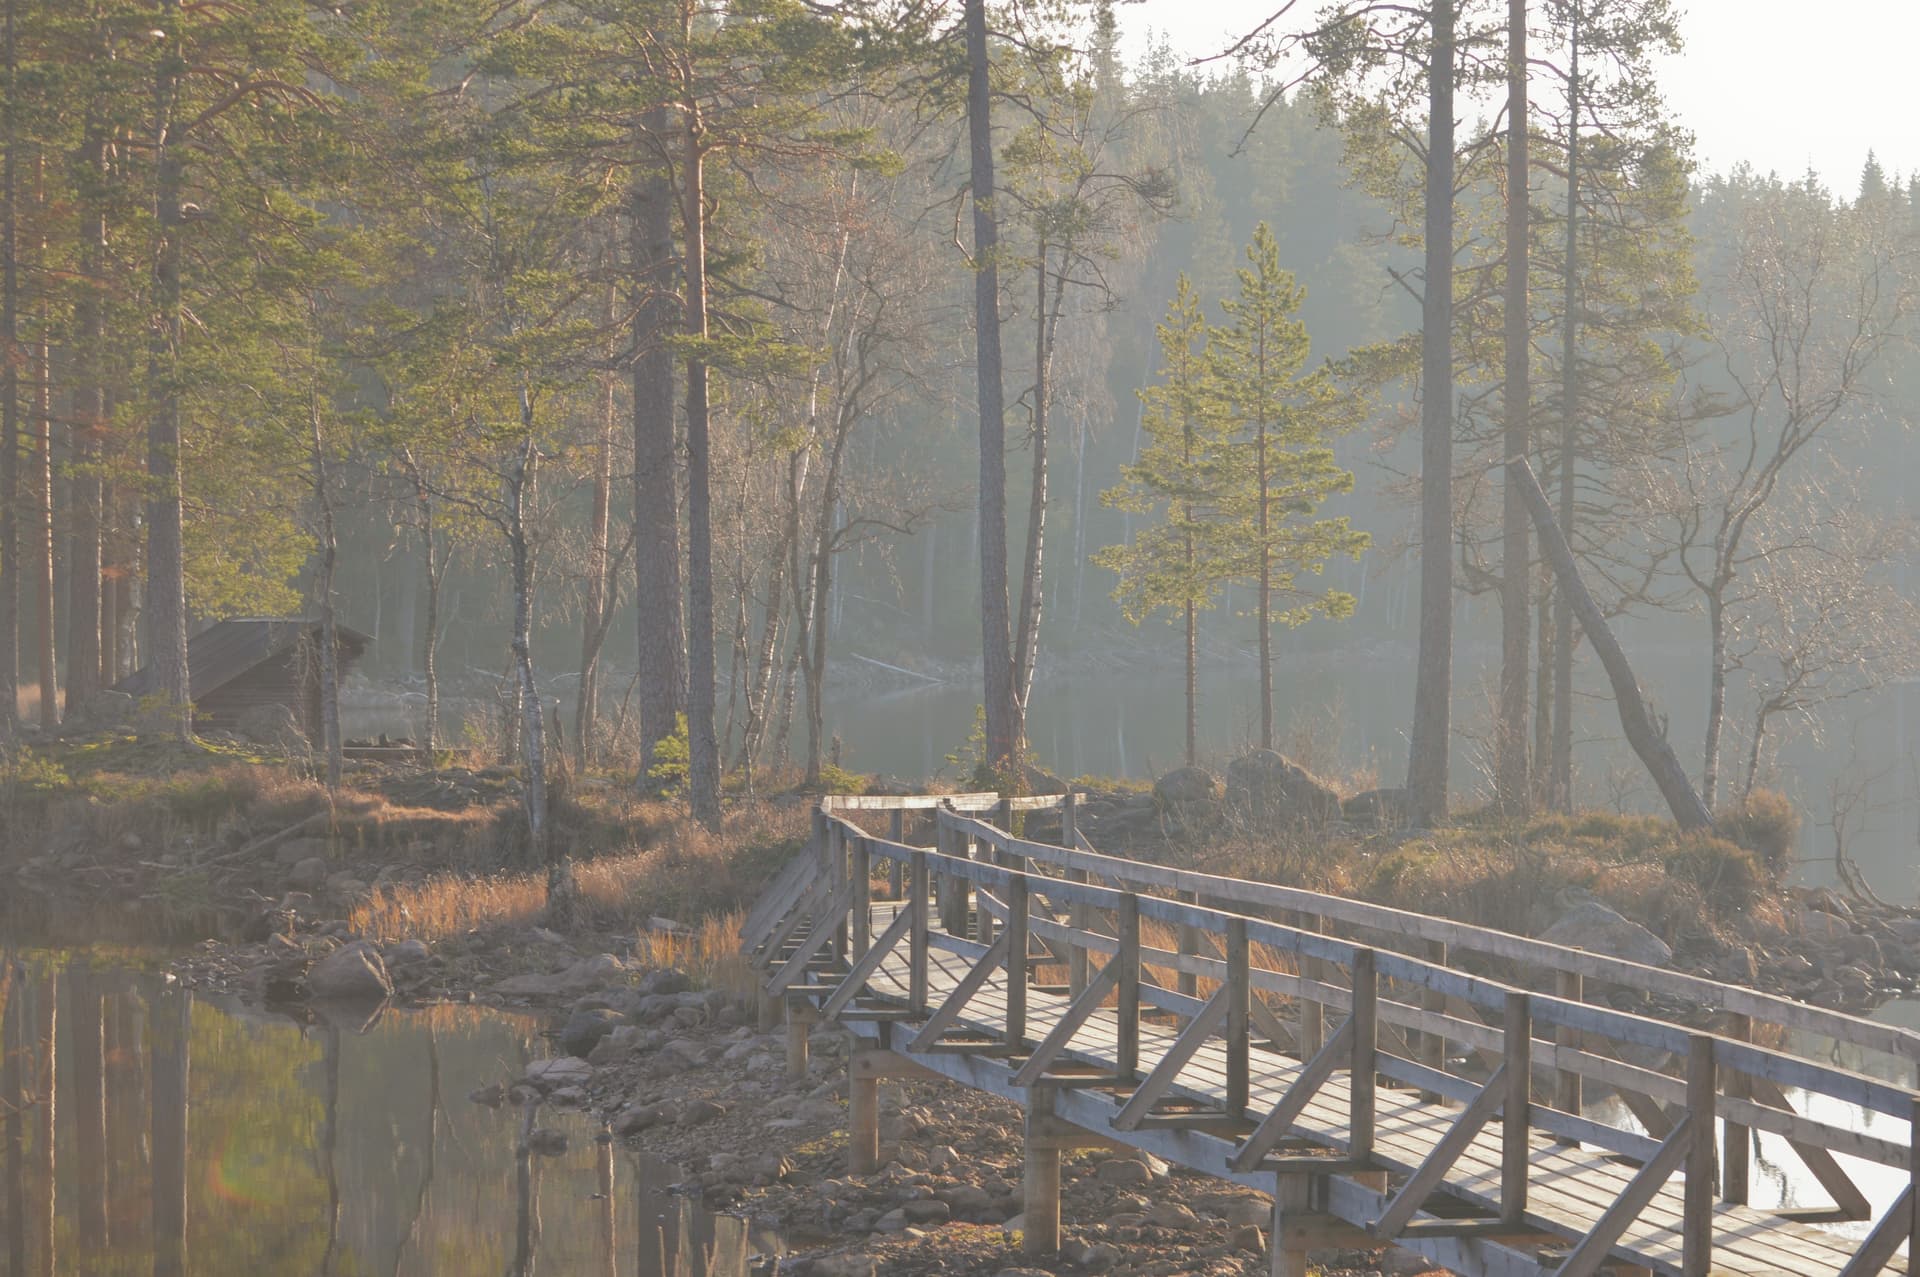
{"x": 195, "y": 1134}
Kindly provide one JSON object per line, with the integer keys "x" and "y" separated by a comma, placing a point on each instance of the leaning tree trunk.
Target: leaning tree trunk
{"x": 1647, "y": 740}
{"x": 166, "y": 551}
{"x": 1004, "y": 726}
{"x": 656, "y": 469}
{"x": 1433, "y": 676}
{"x": 1516, "y": 557}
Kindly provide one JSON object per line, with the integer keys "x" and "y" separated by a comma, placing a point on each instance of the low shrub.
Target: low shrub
{"x": 1767, "y": 825}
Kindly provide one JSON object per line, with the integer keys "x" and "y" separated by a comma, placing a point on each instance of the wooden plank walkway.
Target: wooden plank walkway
{"x": 1463, "y": 1137}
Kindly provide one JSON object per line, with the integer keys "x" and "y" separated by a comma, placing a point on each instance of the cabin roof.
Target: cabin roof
{"x": 226, "y": 650}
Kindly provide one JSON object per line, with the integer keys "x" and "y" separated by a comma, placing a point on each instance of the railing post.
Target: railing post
{"x": 1697, "y": 1210}
{"x": 1078, "y": 917}
{"x": 897, "y": 834}
{"x": 1433, "y": 1046}
{"x": 862, "y": 858}
{"x": 1239, "y": 1010}
{"x": 839, "y": 873}
{"x": 1070, "y": 820}
{"x": 1571, "y": 986}
{"x": 1127, "y": 987}
{"x": 1187, "y": 982}
{"x": 1017, "y": 960}
{"x": 1736, "y": 1139}
{"x": 953, "y": 889}
{"x": 917, "y": 935}
{"x": 1313, "y": 1020}
{"x": 980, "y": 852}
{"x": 1517, "y": 1037}
{"x": 1366, "y": 1033}
{"x": 1913, "y": 1178}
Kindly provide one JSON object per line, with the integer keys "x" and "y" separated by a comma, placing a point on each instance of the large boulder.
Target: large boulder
{"x": 1272, "y": 788}
{"x": 1186, "y": 787}
{"x": 1594, "y": 927}
{"x": 355, "y": 973}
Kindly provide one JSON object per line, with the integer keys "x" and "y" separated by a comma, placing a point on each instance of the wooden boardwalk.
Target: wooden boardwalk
{"x": 1386, "y": 1076}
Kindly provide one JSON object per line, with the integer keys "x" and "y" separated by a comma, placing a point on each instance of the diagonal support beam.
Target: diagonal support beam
{"x": 1832, "y": 1176}
{"x": 869, "y": 962}
{"x": 1078, "y": 1013}
{"x": 985, "y": 969}
{"x": 1594, "y": 1248}
{"x": 1274, "y": 1127}
{"x": 1205, "y": 1024}
{"x": 819, "y": 938}
{"x": 1884, "y": 1241}
{"x": 1400, "y": 1211}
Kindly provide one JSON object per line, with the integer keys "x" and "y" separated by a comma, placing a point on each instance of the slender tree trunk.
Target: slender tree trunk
{"x": 1716, "y": 695}
{"x": 760, "y": 686}
{"x": 42, "y": 510}
{"x": 1004, "y": 725}
{"x": 703, "y": 748}
{"x": 1433, "y": 679}
{"x": 1193, "y": 679}
{"x": 329, "y": 632}
{"x": 172, "y": 1063}
{"x": 436, "y": 567}
{"x": 166, "y": 555}
{"x": 9, "y": 399}
{"x": 1516, "y": 556}
{"x": 1263, "y": 609}
{"x": 1562, "y": 784}
{"x": 84, "y": 489}
{"x": 656, "y": 471}
{"x": 1543, "y": 693}
{"x": 562, "y": 892}
{"x": 1027, "y": 643}
{"x": 592, "y": 626}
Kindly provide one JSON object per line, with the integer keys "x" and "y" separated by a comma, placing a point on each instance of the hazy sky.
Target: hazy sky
{"x": 1779, "y": 83}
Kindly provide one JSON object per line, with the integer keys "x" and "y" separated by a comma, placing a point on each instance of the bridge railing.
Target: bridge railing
{"x": 1412, "y": 1018}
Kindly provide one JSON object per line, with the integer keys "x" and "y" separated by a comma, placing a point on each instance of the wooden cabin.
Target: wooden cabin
{"x": 235, "y": 667}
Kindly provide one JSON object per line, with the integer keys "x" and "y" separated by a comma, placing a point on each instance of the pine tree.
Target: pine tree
{"x": 1177, "y": 563}
{"x": 1281, "y": 467}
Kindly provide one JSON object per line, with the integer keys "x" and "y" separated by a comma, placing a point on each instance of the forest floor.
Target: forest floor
{"x": 422, "y": 874}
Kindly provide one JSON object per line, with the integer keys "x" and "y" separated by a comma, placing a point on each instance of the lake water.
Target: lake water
{"x": 341, "y": 1146}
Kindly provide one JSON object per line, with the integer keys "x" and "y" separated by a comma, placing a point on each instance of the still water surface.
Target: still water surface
{"x": 253, "y": 1143}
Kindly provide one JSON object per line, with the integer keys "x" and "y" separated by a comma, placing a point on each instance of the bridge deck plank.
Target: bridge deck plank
{"x": 1570, "y": 1186}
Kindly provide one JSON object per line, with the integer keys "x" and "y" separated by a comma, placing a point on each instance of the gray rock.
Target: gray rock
{"x": 694, "y": 1112}
{"x": 1249, "y": 1238}
{"x": 1818, "y": 924}
{"x": 584, "y": 1029}
{"x": 309, "y": 874}
{"x": 1272, "y": 788}
{"x": 1592, "y": 926}
{"x": 1095, "y": 1258}
{"x": 404, "y": 952}
{"x": 531, "y": 985}
{"x": 560, "y": 1071}
{"x": 928, "y": 1211}
{"x": 352, "y": 974}
{"x": 1188, "y": 786}
{"x": 667, "y": 982}
{"x": 1124, "y": 1171}
{"x": 546, "y": 1141}
{"x": 1172, "y": 1215}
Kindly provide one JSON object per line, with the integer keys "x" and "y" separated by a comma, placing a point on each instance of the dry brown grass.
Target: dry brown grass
{"x": 688, "y": 873}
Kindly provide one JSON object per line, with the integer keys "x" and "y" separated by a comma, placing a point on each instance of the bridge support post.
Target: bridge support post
{"x": 768, "y": 1008}
{"x": 1292, "y": 1203}
{"x": 863, "y": 1117}
{"x": 1040, "y": 1176}
{"x": 799, "y": 1023}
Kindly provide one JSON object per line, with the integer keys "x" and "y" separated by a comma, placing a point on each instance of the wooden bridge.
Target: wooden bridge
{"x": 1387, "y": 1076}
